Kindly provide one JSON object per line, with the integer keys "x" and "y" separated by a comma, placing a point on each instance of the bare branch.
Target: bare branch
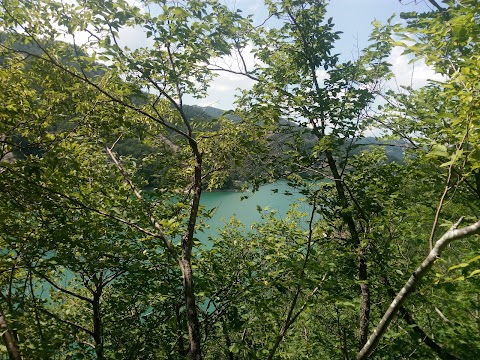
{"x": 445, "y": 191}
{"x": 450, "y": 236}
{"x": 68, "y": 322}
{"x": 168, "y": 244}
{"x": 59, "y": 288}
{"x": 291, "y": 317}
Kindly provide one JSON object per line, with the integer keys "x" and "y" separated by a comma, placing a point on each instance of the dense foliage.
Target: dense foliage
{"x": 102, "y": 169}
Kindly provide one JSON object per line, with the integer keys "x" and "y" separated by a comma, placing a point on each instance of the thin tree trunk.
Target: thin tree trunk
{"x": 342, "y": 336}
{"x": 97, "y": 324}
{"x": 362, "y": 262}
{"x": 291, "y": 316}
{"x": 412, "y": 282}
{"x": 181, "y": 346}
{"x": 193, "y": 323}
{"x": 184, "y": 261}
{"x": 365, "y": 298}
{"x": 340, "y": 187}
{"x": 9, "y": 339}
{"x": 442, "y": 353}
{"x": 228, "y": 341}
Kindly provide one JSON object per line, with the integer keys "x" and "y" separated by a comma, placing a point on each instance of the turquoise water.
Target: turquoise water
{"x": 228, "y": 204}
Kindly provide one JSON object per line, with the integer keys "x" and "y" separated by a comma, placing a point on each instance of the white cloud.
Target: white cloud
{"x": 226, "y": 85}
{"x": 415, "y": 74}
{"x": 322, "y": 75}
{"x": 222, "y": 90}
{"x": 134, "y": 38}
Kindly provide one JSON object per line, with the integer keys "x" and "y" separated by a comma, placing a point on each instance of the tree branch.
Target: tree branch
{"x": 445, "y": 191}
{"x": 68, "y": 322}
{"x": 59, "y": 288}
{"x": 439, "y": 8}
{"x": 168, "y": 244}
{"x": 9, "y": 339}
{"x": 291, "y": 317}
{"x": 450, "y": 236}
{"x": 87, "y": 207}
{"x": 442, "y": 353}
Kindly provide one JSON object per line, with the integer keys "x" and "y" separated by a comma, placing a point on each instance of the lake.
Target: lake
{"x": 229, "y": 203}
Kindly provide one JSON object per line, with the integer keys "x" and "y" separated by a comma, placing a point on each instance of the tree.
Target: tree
{"x": 292, "y": 59}
{"x": 184, "y": 37}
{"x": 94, "y": 249}
{"x": 55, "y": 227}
{"x": 299, "y": 78}
{"x": 440, "y": 118}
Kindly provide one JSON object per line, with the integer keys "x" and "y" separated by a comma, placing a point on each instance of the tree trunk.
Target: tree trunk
{"x": 97, "y": 324}
{"x": 184, "y": 261}
{"x": 362, "y": 262}
{"x": 181, "y": 346}
{"x": 228, "y": 341}
{"x": 191, "y": 310}
{"x": 193, "y": 324}
{"x": 9, "y": 339}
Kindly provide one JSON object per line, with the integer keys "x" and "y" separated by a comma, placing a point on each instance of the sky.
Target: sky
{"x": 353, "y": 18}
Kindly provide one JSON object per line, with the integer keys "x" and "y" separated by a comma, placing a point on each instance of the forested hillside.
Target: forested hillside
{"x": 103, "y": 167}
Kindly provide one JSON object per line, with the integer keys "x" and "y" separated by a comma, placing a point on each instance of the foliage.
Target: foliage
{"x": 102, "y": 168}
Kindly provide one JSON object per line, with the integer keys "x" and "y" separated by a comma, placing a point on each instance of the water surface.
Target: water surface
{"x": 228, "y": 203}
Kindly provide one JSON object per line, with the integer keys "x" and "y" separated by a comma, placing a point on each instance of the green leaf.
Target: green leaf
{"x": 234, "y": 348}
{"x": 474, "y": 272}
{"x": 438, "y": 150}
{"x": 458, "y": 266}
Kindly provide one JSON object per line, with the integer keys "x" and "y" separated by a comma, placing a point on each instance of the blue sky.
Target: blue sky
{"x": 353, "y": 18}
